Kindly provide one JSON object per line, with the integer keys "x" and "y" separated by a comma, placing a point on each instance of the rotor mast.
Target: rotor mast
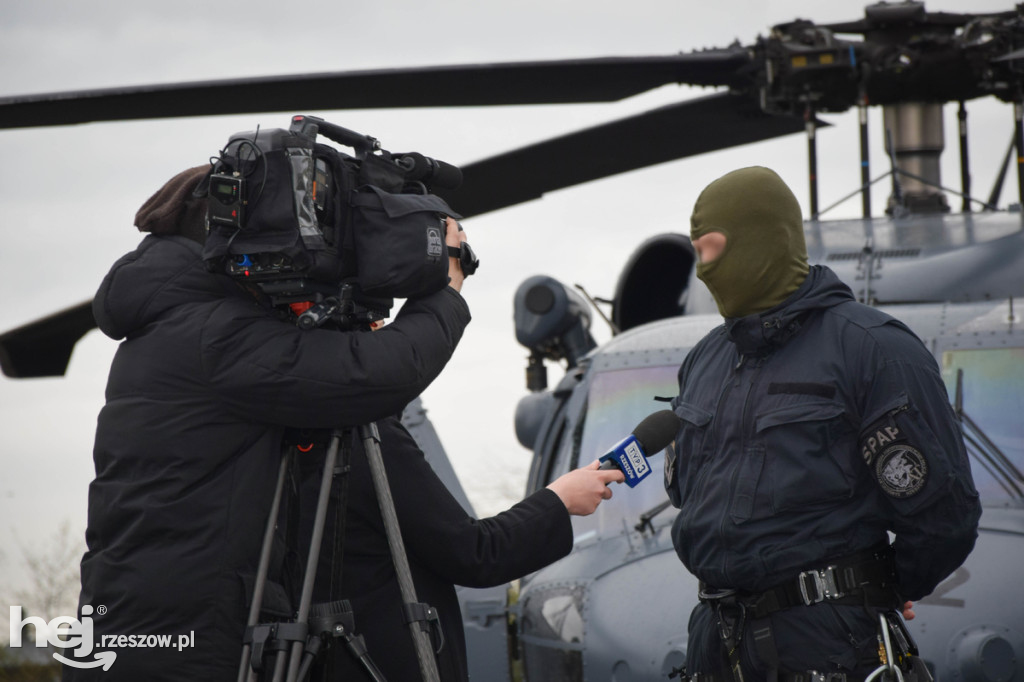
{"x": 916, "y": 134}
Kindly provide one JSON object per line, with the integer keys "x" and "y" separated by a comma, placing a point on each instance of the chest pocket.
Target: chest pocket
{"x": 810, "y": 456}
{"x": 683, "y": 458}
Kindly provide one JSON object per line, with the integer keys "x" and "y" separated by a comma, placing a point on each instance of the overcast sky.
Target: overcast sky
{"x": 68, "y": 195}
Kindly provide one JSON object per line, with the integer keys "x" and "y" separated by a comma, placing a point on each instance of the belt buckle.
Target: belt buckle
{"x": 824, "y": 582}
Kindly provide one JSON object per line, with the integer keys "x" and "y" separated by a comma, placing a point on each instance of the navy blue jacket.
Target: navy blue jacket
{"x": 809, "y": 431}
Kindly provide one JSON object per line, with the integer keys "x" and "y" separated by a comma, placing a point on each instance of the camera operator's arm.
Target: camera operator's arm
{"x": 276, "y": 373}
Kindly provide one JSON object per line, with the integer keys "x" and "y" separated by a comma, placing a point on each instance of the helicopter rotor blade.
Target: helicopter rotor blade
{"x": 671, "y": 132}
{"x": 603, "y": 79}
{"x": 43, "y": 348}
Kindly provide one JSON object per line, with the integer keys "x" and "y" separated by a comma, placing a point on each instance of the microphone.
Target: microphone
{"x": 651, "y": 435}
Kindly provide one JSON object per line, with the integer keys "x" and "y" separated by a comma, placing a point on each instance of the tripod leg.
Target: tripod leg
{"x": 245, "y": 672}
{"x": 314, "y": 551}
{"x": 421, "y": 639}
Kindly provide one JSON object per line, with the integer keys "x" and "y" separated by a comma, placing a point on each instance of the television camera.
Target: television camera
{"x": 330, "y": 235}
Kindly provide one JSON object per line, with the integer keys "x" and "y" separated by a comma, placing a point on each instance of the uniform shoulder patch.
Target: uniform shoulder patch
{"x": 901, "y": 471}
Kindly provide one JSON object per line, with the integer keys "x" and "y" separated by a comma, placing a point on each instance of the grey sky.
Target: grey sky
{"x": 68, "y": 195}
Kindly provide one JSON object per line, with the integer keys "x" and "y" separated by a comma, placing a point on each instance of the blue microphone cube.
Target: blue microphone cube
{"x": 629, "y": 457}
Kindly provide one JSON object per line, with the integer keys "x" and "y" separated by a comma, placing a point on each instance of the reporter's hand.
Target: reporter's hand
{"x": 583, "y": 489}
{"x": 908, "y": 611}
{"x": 454, "y": 236}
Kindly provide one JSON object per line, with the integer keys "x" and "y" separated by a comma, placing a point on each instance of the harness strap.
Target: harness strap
{"x": 764, "y": 643}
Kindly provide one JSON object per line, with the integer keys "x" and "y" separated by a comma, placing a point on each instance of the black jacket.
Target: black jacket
{"x": 809, "y": 431}
{"x": 188, "y": 444}
{"x": 445, "y": 547}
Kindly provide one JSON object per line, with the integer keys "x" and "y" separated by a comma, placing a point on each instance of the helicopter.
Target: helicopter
{"x": 578, "y": 619}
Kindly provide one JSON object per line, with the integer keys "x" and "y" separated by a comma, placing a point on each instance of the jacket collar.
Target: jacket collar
{"x": 762, "y": 332}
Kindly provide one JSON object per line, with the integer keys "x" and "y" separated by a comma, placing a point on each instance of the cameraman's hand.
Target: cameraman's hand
{"x": 583, "y": 489}
{"x": 454, "y": 237}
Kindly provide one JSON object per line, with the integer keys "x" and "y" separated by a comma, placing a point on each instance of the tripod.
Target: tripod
{"x": 295, "y": 645}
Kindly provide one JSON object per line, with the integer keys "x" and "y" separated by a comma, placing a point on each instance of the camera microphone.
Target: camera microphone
{"x": 431, "y": 171}
{"x": 651, "y": 435}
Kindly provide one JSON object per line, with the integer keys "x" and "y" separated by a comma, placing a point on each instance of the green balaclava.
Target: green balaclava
{"x": 765, "y": 256}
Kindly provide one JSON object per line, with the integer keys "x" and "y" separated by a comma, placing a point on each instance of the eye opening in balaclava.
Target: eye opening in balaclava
{"x": 765, "y": 256}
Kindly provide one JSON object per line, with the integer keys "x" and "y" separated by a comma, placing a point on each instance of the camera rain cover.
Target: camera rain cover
{"x": 399, "y": 241}
{"x": 272, "y": 209}
{"x": 284, "y": 207}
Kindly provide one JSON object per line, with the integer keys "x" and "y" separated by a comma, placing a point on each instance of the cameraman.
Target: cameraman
{"x": 200, "y": 395}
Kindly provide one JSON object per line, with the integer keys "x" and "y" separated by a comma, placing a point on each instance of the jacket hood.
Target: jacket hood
{"x": 759, "y": 333}
{"x": 163, "y": 272}
{"x": 179, "y": 207}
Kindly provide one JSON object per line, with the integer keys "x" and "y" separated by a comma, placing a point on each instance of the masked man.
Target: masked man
{"x": 812, "y": 427}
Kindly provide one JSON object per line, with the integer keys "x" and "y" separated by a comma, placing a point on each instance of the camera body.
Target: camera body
{"x": 302, "y": 220}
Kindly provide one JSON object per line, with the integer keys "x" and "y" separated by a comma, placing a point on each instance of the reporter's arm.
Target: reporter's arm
{"x": 442, "y": 538}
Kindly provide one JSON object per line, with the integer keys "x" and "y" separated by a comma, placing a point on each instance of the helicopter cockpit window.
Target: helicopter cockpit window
{"x": 617, "y": 401}
{"x": 986, "y": 387}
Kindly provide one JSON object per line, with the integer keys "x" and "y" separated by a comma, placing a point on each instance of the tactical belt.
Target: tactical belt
{"x": 867, "y": 578}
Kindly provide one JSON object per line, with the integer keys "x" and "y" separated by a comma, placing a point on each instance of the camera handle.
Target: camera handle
{"x": 311, "y": 125}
